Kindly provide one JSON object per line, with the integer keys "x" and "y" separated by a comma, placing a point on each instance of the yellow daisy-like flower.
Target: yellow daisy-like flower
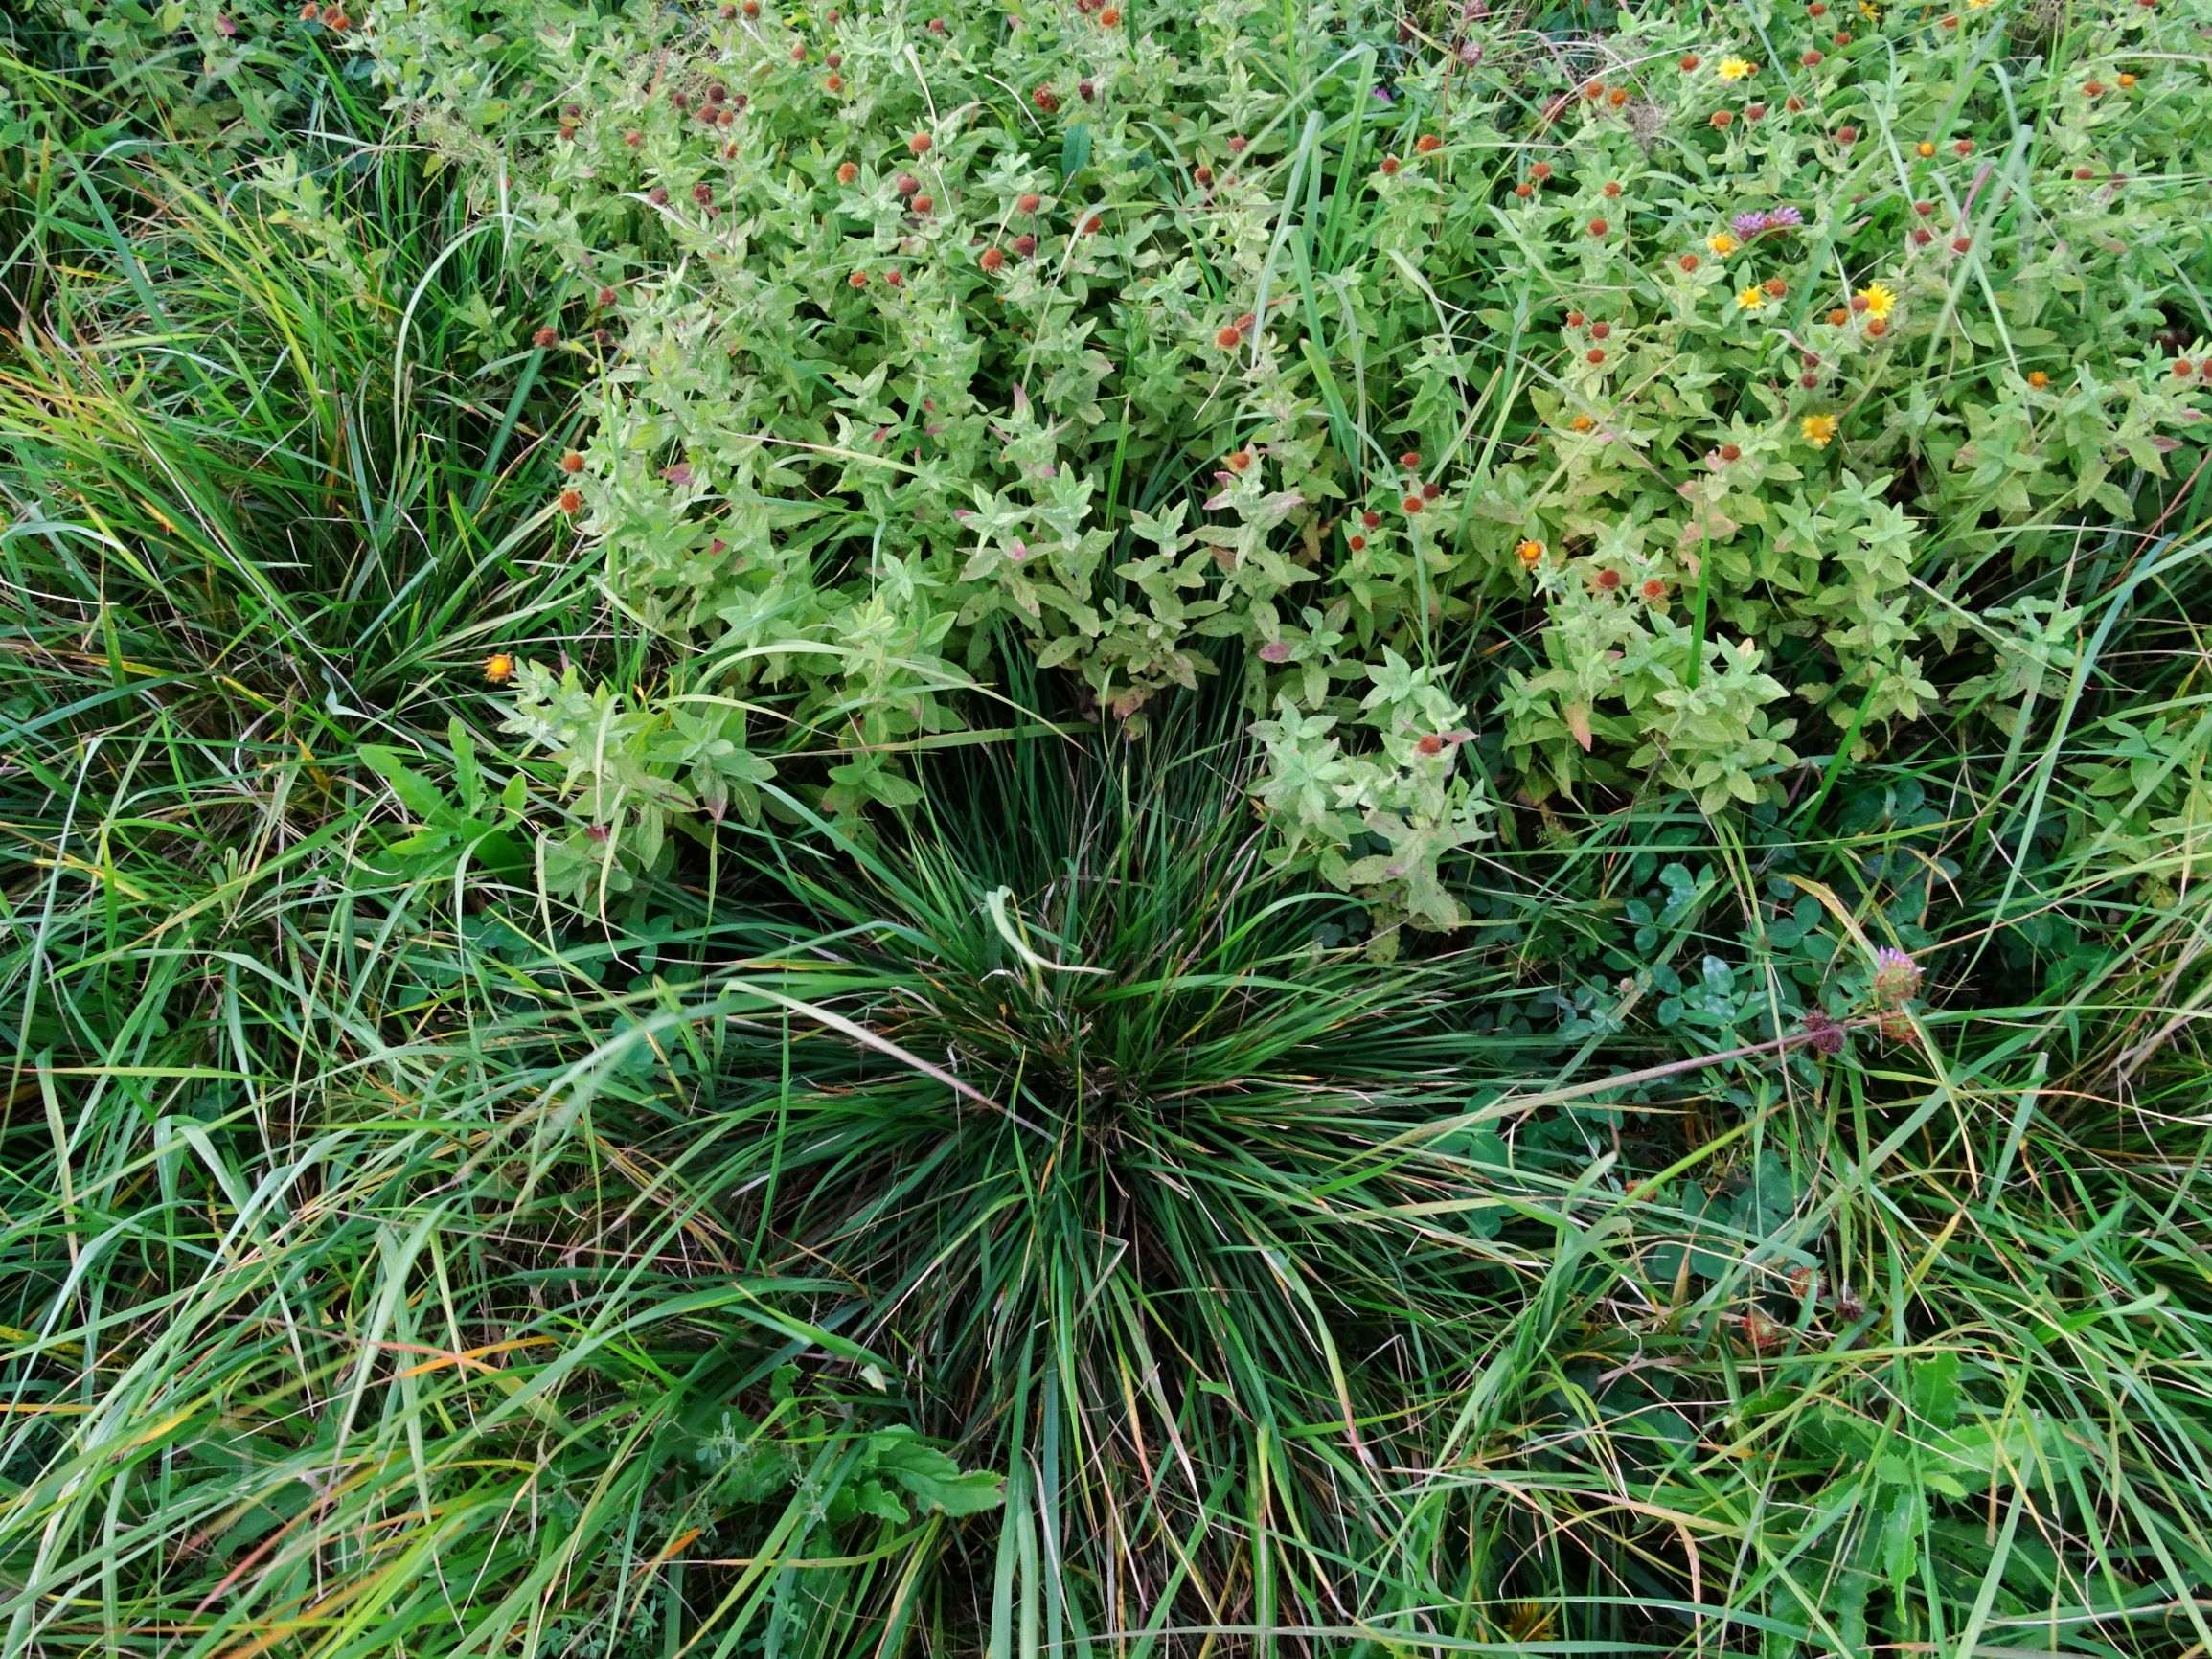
{"x": 1880, "y": 300}
{"x": 1531, "y": 553}
{"x": 1869, "y": 10}
{"x": 1751, "y": 299}
{"x": 1733, "y": 68}
{"x": 499, "y": 668}
{"x": 1818, "y": 430}
{"x": 1722, "y": 243}
{"x": 1975, "y": 5}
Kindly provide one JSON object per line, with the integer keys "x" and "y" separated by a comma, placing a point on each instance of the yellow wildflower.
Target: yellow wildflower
{"x": 1751, "y": 299}
{"x": 1818, "y": 430}
{"x": 499, "y": 668}
{"x": 1880, "y": 300}
{"x": 1722, "y": 243}
{"x": 1531, "y": 553}
{"x": 1733, "y": 68}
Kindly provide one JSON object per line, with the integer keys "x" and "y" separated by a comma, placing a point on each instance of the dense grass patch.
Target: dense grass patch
{"x": 830, "y": 1139}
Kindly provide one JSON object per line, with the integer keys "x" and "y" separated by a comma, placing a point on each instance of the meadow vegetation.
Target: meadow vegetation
{"x": 1254, "y": 830}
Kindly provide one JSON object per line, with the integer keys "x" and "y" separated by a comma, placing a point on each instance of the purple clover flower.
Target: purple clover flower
{"x": 1896, "y": 977}
{"x": 1757, "y": 222}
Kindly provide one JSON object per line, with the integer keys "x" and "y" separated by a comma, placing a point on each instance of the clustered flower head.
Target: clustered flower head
{"x": 1896, "y": 977}
{"x": 1757, "y": 222}
{"x": 1824, "y": 1034}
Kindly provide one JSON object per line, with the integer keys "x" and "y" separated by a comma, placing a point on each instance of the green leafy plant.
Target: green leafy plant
{"x": 1771, "y": 347}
